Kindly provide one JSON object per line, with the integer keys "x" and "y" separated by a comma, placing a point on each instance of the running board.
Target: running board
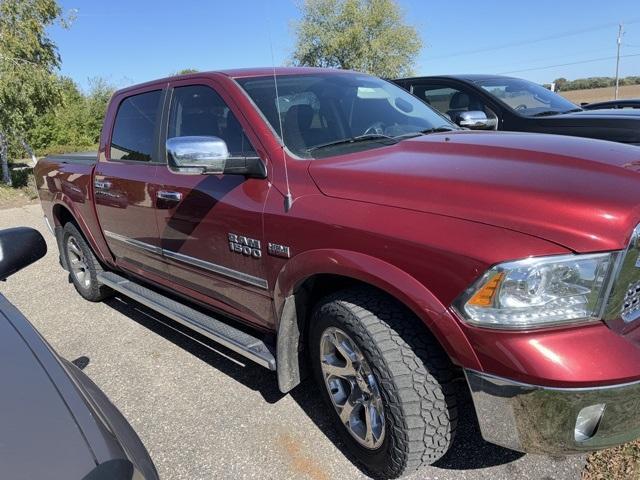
{"x": 240, "y": 342}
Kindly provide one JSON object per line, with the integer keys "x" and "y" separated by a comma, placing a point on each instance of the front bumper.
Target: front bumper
{"x": 536, "y": 419}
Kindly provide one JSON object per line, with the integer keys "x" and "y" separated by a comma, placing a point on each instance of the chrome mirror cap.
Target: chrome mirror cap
{"x": 476, "y": 120}
{"x": 197, "y": 154}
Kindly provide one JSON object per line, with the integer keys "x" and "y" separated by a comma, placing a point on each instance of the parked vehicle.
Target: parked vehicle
{"x": 615, "y": 104}
{"x": 342, "y": 227}
{"x": 56, "y": 423}
{"x": 492, "y": 102}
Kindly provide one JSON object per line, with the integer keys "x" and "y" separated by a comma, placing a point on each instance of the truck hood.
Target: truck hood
{"x": 606, "y": 112}
{"x": 616, "y": 125}
{"x": 579, "y": 193}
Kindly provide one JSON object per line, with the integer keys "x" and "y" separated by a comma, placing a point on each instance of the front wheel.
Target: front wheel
{"x": 386, "y": 379}
{"x": 82, "y": 264}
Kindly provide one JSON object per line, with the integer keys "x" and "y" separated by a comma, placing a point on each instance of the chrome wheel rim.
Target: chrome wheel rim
{"x": 352, "y": 387}
{"x": 78, "y": 263}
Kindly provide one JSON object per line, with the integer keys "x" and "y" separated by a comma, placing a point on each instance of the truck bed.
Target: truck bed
{"x": 86, "y": 158}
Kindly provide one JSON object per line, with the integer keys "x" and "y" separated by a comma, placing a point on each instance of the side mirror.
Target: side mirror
{"x": 210, "y": 155}
{"x": 198, "y": 154}
{"x": 476, "y": 120}
{"x": 19, "y": 247}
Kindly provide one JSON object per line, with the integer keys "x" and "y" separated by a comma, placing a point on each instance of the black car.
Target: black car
{"x": 615, "y": 104}
{"x": 56, "y": 423}
{"x": 492, "y": 102}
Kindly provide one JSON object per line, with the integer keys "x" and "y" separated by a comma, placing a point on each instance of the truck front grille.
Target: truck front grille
{"x": 624, "y": 299}
{"x": 631, "y": 306}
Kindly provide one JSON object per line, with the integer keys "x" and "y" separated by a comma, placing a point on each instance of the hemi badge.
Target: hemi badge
{"x": 279, "y": 250}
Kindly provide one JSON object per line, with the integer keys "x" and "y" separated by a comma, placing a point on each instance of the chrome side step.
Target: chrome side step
{"x": 237, "y": 340}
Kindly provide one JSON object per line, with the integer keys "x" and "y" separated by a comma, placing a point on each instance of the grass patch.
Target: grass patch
{"x": 619, "y": 463}
{"x": 23, "y": 191}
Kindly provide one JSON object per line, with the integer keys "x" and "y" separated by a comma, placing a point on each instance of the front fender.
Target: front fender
{"x": 386, "y": 277}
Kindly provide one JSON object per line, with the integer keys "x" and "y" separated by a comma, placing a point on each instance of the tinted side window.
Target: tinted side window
{"x": 451, "y": 101}
{"x": 134, "y": 128}
{"x": 198, "y": 110}
{"x": 437, "y": 96}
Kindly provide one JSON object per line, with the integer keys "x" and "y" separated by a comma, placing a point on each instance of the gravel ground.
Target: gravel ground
{"x": 200, "y": 413}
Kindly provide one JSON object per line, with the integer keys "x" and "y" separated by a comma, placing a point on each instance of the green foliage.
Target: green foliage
{"x": 184, "y": 71}
{"x": 76, "y": 122}
{"x": 365, "y": 35}
{"x": 28, "y": 62}
{"x": 562, "y": 84}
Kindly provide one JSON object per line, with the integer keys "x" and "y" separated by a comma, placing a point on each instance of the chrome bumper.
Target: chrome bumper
{"x": 536, "y": 419}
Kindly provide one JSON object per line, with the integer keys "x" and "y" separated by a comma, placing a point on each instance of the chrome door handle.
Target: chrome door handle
{"x": 101, "y": 184}
{"x": 170, "y": 196}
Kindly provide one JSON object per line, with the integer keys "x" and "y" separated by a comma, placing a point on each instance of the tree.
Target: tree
{"x": 365, "y": 35}
{"x": 561, "y": 84}
{"x": 76, "y": 122}
{"x": 184, "y": 71}
{"x": 28, "y": 62}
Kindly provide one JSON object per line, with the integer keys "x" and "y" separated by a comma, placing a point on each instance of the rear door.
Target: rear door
{"x": 124, "y": 188}
{"x": 210, "y": 226}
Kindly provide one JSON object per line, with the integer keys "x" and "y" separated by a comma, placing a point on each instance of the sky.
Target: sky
{"x": 132, "y": 41}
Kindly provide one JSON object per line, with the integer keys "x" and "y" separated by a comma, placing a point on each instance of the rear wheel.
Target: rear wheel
{"x": 386, "y": 379}
{"x": 82, "y": 264}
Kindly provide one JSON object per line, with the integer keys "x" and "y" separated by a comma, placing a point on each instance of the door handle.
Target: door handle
{"x": 169, "y": 196}
{"x": 101, "y": 184}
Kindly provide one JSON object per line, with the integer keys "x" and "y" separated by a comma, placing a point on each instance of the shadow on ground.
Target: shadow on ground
{"x": 468, "y": 452}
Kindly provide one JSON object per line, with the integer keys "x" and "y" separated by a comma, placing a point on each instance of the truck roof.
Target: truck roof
{"x": 468, "y": 77}
{"x": 242, "y": 73}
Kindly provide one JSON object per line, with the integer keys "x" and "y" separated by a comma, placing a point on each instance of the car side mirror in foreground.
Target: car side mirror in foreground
{"x": 210, "y": 155}
{"x": 19, "y": 247}
{"x": 476, "y": 120}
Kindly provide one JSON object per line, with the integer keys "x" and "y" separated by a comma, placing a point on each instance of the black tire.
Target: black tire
{"x": 414, "y": 375}
{"x": 87, "y": 286}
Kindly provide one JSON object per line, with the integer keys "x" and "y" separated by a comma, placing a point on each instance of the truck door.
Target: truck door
{"x": 124, "y": 187}
{"x": 210, "y": 226}
{"x": 451, "y": 99}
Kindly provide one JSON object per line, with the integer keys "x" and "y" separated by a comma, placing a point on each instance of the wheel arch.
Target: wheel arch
{"x": 313, "y": 274}
{"x": 64, "y": 210}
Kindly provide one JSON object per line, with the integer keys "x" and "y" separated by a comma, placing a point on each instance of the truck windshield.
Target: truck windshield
{"x": 334, "y": 113}
{"x": 527, "y": 98}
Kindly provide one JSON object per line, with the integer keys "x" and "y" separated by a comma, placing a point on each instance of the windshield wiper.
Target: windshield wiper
{"x": 360, "y": 138}
{"x": 441, "y": 128}
{"x": 578, "y": 109}
{"x": 427, "y": 131}
{"x": 546, "y": 113}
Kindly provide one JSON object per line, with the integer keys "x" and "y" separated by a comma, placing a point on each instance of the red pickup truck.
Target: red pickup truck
{"x": 329, "y": 222}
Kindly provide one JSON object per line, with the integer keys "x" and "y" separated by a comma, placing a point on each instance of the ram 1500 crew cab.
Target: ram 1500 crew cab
{"x": 329, "y": 222}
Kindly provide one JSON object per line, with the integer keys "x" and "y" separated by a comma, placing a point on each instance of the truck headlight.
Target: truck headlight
{"x": 539, "y": 291}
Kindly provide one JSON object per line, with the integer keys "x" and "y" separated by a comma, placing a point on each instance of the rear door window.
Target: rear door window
{"x": 135, "y": 128}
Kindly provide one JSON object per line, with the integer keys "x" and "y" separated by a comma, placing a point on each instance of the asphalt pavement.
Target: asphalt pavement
{"x": 203, "y": 415}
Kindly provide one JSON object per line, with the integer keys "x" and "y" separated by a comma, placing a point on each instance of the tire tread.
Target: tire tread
{"x": 415, "y": 372}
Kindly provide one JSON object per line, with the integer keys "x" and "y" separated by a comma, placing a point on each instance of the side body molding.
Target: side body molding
{"x": 367, "y": 269}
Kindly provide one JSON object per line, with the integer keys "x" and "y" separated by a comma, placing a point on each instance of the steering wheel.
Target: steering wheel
{"x": 522, "y": 106}
{"x": 375, "y": 129}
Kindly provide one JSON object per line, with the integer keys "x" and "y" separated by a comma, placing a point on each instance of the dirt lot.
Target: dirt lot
{"x": 17, "y": 197}
{"x": 601, "y": 94}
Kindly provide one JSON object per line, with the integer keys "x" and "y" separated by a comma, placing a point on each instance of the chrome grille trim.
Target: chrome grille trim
{"x": 623, "y": 299}
{"x": 631, "y": 306}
